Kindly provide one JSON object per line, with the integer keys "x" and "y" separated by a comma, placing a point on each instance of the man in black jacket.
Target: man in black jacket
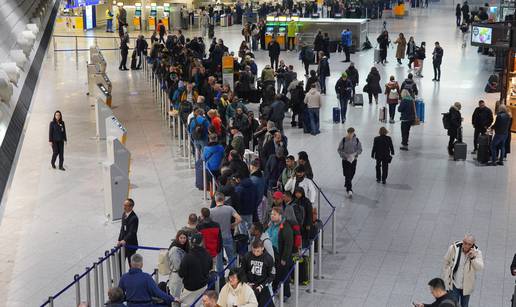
{"x": 259, "y": 271}
{"x": 194, "y": 270}
{"x": 274, "y": 52}
{"x": 437, "y": 59}
{"x": 128, "y": 229}
{"x": 353, "y": 76}
{"x": 442, "y": 298}
{"x": 455, "y": 123}
{"x": 285, "y": 249}
{"x": 482, "y": 119}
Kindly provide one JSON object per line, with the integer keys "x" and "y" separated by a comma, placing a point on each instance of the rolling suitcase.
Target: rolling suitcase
{"x": 420, "y": 109}
{"x": 199, "y": 180}
{"x": 336, "y": 115}
{"x": 460, "y": 150}
{"x": 382, "y": 117}
{"x": 358, "y": 100}
{"x": 377, "y": 55}
{"x": 483, "y": 151}
{"x": 304, "y": 270}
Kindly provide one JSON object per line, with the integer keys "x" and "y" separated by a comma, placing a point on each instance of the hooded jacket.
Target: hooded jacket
{"x": 410, "y": 86}
{"x": 407, "y": 110}
{"x": 313, "y": 99}
{"x": 212, "y": 236}
{"x": 259, "y": 270}
{"x": 245, "y": 191}
{"x": 213, "y": 155}
{"x": 471, "y": 267}
{"x": 195, "y": 268}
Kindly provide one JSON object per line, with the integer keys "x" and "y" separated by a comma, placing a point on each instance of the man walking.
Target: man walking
{"x": 346, "y": 42}
{"x": 349, "y": 149}
{"x": 344, "y": 90}
{"x": 407, "y": 109}
{"x": 313, "y": 103}
{"x": 274, "y": 53}
{"x": 442, "y": 298}
{"x": 437, "y": 58}
{"x": 323, "y": 71}
{"x": 461, "y": 263}
{"x": 482, "y": 119}
{"x": 128, "y": 229}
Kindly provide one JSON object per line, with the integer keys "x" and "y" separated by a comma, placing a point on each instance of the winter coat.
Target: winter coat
{"x": 382, "y": 148}
{"x": 175, "y": 283}
{"x": 267, "y": 74}
{"x": 400, "y": 49}
{"x": 244, "y": 296}
{"x": 345, "y": 38}
{"x": 502, "y": 123}
{"x": 482, "y": 118}
{"x": 307, "y": 185}
{"x": 139, "y": 286}
{"x": 407, "y": 109}
{"x": 353, "y": 75}
{"x": 373, "y": 83}
{"x": 211, "y": 235}
{"x": 195, "y": 268}
{"x": 313, "y": 99}
{"x": 274, "y": 49}
{"x": 246, "y": 193}
{"x": 437, "y": 56}
{"x": 344, "y": 88}
{"x": 318, "y": 42}
{"x": 392, "y": 91}
{"x": 323, "y": 70}
{"x": 411, "y": 50}
{"x": 455, "y": 122}
{"x": 213, "y": 155}
{"x": 471, "y": 267}
{"x": 410, "y": 86}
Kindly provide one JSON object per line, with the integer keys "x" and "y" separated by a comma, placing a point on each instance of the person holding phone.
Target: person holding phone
{"x": 57, "y": 139}
{"x": 442, "y": 298}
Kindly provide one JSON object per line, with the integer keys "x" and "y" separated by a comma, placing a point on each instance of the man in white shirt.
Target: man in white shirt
{"x": 299, "y": 179}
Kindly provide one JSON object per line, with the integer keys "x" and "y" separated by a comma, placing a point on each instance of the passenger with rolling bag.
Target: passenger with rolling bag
{"x": 454, "y": 124}
{"x": 344, "y": 90}
{"x": 482, "y": 119}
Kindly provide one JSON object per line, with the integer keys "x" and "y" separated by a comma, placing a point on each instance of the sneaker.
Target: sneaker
{"x": 383, "y": 182}
{"x": 500, "y": 162}
{"x": 350, "y": 194}
{"x": 405, "y": 148}
{"x": 391, "y": 121}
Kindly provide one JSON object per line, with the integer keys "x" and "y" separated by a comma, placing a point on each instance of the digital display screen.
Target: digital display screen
{"x": 270, "y": 29}
{"x": 89, "y": 17}
{"x": 137, "y": 13}
{"x": 481, "y": 35}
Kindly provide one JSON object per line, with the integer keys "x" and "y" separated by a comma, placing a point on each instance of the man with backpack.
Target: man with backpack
{"x": 344, "y": 90}
{"x": 198, "y": 128}
{"x": 442, "y": 298}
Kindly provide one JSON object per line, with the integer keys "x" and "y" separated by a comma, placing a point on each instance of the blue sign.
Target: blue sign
{"x": 71, "y": 4}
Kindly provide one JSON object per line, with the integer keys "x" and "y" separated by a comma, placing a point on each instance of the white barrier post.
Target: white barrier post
{"x": 77, "y": 290}
{"x": 296, "y": 283}
{"x": 312, "y": 261}
{"x": 122, "y": 260}
{"x": 88, "y": 287}
{"x": 185, "y": 141}
{"x": 334, "y": 232}
{"x": 96, "y": 283}
{"x": 108, "y": 270}
{"x": 319, "y": 254}
{"x": 281, "y": 295}
{"x": 101, "y": 281}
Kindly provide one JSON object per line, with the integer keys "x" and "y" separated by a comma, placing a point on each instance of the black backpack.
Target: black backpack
{"x": 446, "y": 120}
{"x": 198, "y": 129}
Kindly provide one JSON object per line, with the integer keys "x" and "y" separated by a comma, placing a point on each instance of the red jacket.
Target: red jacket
{"x": 212, "y": 236}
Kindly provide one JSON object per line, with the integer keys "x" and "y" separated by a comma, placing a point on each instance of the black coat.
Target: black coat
{"x": 373, "y": 83}
{"x": 455, "y": 122}
{"x": 482, "y": 118}
{"x": 324, "y": 68}
{"x": 129, "y": 229}
{"x": 382, "y": 148}
{"x": 319, "y": 42}
{"x": 195, "y": 268}
{"x": 57, "y": 132}
{"x": 274, "y": 49}
{"x": 353, "y": 75}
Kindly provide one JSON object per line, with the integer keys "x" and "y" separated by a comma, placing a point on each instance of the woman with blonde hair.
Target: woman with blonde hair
{"x": 382, "y": 152}
{"x": 502, "y": 130}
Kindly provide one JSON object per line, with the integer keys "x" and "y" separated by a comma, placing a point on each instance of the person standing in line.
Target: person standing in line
{"x": 346, "y": 41}
{"x": 57, "y": 139}
{"x": 442, "y": 297}
{"x": 392, "y": 91}
{"x": 349, "y": 149}
{"x": 236, "y": 292}
{"x": 372, "y": 87}
{"x": 482, "y": 119}
{"x": 437, "y": 59}
{"x": 109, "y": 21}
{"x": 259, "y": 270}
{"x": 323, "y": 71}
{"x": 282, "y": 237}
{"x": 501, "y": 128}
{"x": 344, "y": 90}
{"x": 353, "y": 77}
{"x": 411, "y": 51}
{"x": 407, "y": 109}
{"x": 274, "y": 52}
{"x": 461, "y": 263}
{"x": 455, "y": 123}
{"x": 176, "y": 253}
{"x": 313, "y": 103}
{"x": 382, "y": 151}
{"x": 128, "y": 229}
{"x": 124, "y": 51}
{"x": 400, "y": 49}
{"x": 458, "y": 13}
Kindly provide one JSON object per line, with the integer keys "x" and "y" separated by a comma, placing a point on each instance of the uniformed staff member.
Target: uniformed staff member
{"x": 129, "y": 229}
{"x": 109, "y": 21}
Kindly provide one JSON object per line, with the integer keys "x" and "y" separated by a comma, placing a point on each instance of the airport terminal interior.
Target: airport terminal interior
{"x": 380, "y": 247}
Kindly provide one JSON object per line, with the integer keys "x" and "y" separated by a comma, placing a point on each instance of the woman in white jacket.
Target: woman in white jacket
{"x": 176, "y": 252}
{"x": 236, "y": 293}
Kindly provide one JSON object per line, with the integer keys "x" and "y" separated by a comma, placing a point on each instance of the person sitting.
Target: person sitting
{"x": 236, "y": 292}
{"x": 139, "y": 288}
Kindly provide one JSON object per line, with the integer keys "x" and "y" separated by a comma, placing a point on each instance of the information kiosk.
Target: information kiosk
{"x": 137, "y": 18}
{"x": 153, "y": 16}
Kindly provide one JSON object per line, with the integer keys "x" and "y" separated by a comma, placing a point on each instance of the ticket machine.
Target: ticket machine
{"x": 114, "y": 128}
{"x": 270, "y": 29}
{"x": 277, "y": 26}
{"x": 153, "y": 17}
{"x": 166, "y": 15}
{"x": 102, "y": 111}
{"x": 118, "y": 154}
{"x": 282, "y": 31}
{"x": 137, "y": 18}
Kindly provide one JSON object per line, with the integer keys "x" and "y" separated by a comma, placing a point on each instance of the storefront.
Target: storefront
{"x": 77, "y": 15}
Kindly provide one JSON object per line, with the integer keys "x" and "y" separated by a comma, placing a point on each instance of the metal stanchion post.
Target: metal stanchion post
{"x": 312, "y": 261}
{"x": 319, "y": 204}
{"x": 108, "y": 270}
{"x": 281, "y": 294}
{"x": 88, "y": 287}
{"x": 334, "y": 232}
{"x": 185, "y": 140}
{"x": 214, "y": 184}
{"x": 117, "y": 267}
{"x": 204, "y": 179}
{"x": 189, "y": 153}
{"x": 296, "y": 283}
{"x": 319, "y": 254}
{"x": 51, "y": 301}
{"x": 101, "y": 281}
{"x": 77, "y": 290}
{"x": 113, "y": 268}
{"x": 96, "y": 283}
{"x": 54, "y": 43}
{"x": 156, "y": 276}
{"x": 76, "y": 49}
{"x": 122, "y": 260}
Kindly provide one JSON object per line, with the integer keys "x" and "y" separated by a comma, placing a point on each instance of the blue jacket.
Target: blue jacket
{"x": 407, "y": 109}
{"x": 246, "y": 194}
{"x": 259, "y": 183}
{"x": 204, "y": 122}
{"x": 139, "y": 287}
{"x": 213, "y": 155}
{"x": 345, "y": 37}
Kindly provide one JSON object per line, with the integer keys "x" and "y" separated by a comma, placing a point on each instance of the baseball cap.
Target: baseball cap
{"x": 277, "y": 195}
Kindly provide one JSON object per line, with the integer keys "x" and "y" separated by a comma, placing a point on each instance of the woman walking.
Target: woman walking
{"x": 411, "y": 51}
{"x": 382, "y": 151}
{"x": 400, "y": 49}
{"x": 458, "y": 14}
{"x": 392, "y": 93}
{"x": 372, "y": 87}
{"x": 57, "y": 138}
{"x": 176, "y": 252}
{"x": 383, "y": 44}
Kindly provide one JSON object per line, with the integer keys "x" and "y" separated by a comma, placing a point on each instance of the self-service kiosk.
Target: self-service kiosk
{"x": 97, "y": 58}
{"x": 102, "y": 111}
{"x": 153, "y": 16}
{"x": 166, "y": 15}
{"x": 114, "y": 128}
{"x": 277, "y": 26}
{"x": 137, "y": 18}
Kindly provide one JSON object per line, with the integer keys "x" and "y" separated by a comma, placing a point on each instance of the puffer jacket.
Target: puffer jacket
{"x": 471, "y": 267}
{"x": 313, "y": 99}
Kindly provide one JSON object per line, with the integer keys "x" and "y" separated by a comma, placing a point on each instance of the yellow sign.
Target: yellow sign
{"x": 227, "y": 62}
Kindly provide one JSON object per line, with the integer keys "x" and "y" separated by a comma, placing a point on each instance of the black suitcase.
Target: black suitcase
{"x": 460, "y": 150}
{"x": 483, "y": 151}
{"x": 211, "y": 31}
{"x": 358, "y": 100}
{"x": 199, "y": 180}
{"x": 336, "y": 115}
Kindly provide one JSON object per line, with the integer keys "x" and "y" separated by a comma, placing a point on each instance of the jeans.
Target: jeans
{"x": 370, "y": 96}
{"x": 343, "y": 107}
{"x": 307, "y": 67}
{"x": 227, "y": 245}
{"x": 348, "y": 169}
{"x": 476, "y": 134}
{"x": 281, "y": 86}
{"x": 497, "y": 143}
{"x": 461, "y": 298}
{"x": 346, "y": 51}
{"x": 247, "y": 222}
{"x": 437, "y": 71}
{"x": 254, "y": 43}
{"x": 314, "y": 120}
{"x": 281, "y": 273}
{"x": 405, "y": 132}
{"x": 322, "y": 81}
{"x": 382, "y": 170}
{"x": 198, "y": 146}
{"x": 109, "y": 25}
{"x": 458, "y": 21}
{"x": 57, "y": 150}
{"x": 392, "y": 110}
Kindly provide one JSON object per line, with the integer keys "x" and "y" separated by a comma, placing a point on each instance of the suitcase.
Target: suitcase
{"x": 230, "y": 20}
{"x": 460, "y": 150}
{"x": 199, "y": 180}
{"x": 304, "y": 270}
{"x": 336, "y": 115}
{"x": 377, "y": 55}
{"x": 358, "y": 100}
{"x": 382, "y": 117}
{"x": 420, "y": 109}
{"x": 483, "y": 151}
{"x": 333, "y": 46}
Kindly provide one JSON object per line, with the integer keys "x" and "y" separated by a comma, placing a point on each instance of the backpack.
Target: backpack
{"x": 198, "y": 129}
{"x": 446, "y": 120}
{"x": 163, "y": 262}
{"x": 393, "y": 94}
{"x": 449, "y": 302}
{"x": 299, "y": 212}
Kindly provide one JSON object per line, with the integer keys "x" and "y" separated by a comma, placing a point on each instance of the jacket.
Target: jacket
{"x": 437, "y": 55}
{"x": 356, "y": 148}
{"x": 447, "y": 300}
{"x": 260, "y": 270}
{"x": 471, "y": 267}
{"x": 269, "y": 148}
{"x": 244, "y": 296}
{"x": 277, "y": 112}
{"x": 345, "y": 38}
{"x": 318, "y": 42}
{"x": 292, "y": 29}
{"x": 392, "y": 91}
{"x": 259, "y": 184}
{"x": 407, "y": 109}
{"x": 211, "y": 235}
{"x": 411, "y": 49}
{"x": 353, "y": 75}
{"x": 373, "y": 83}
{"x": 139, "y": 288}
{"x": 205, "y": 125}
{"x": 400, "y": 49}
{"x": 240, "y": 167}
{"x": 482, "y": 118}
{"x": 213, "y": 155}
{"x": 307, "y": 185}
{"x": 323, "y": 70}
{"x": 313, "y": 99}
{"x": 129, "y": 229}
{"x": 502, "y": 123}
{"x": 285, "y": 241}
{"x": 274, "y": 49}
{"x": 267, "y": 74}
{"x": 410, "y": 86}
{"x": 195, "y": 268}
{"x": 272, "y": 172}
{"x": 57, "y": 132}
{"x": 382, "y": 148}
{"x": 175, "y": 256}
{"x": 344, "y": 88}
{"x": 455, "y": 121}
{"x": 245, "y": 191}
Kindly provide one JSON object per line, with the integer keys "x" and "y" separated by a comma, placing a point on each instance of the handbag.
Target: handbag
{"x": 366, "y": 88}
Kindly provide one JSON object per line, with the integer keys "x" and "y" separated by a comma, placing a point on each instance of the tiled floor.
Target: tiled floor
{"x": 391, "y": 239}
